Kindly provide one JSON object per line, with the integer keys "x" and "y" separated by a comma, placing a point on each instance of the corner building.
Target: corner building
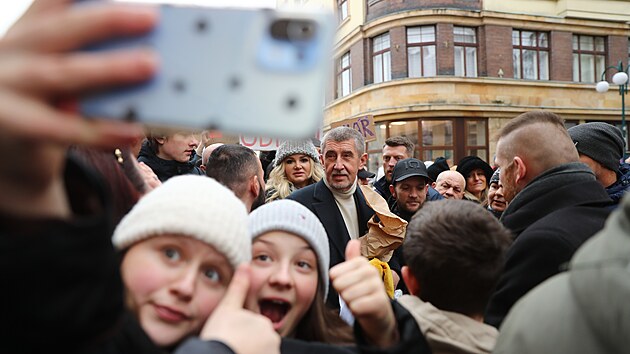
{"x": 449, "y": 74}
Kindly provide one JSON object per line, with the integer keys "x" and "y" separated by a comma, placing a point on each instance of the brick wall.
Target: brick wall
{"x": 617, "y": 50}
{"x": 444, "y": 51}
{"x": 398, "y": 38}
{"x": 495, "y": 51}
{"x": 358, "y": 55}
{"x": 561, "y": 56}
{"x": 376, "y": 9}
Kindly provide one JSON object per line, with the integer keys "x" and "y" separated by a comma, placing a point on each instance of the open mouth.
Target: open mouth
{"x": 275, "y": 310}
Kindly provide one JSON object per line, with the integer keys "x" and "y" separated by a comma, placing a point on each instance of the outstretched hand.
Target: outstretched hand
{"x": 360, "y": 286}
{"x": 240, "y": 329}
{"x": 38, "y": 71}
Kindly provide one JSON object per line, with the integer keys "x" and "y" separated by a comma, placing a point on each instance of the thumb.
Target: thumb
{"x": 353, "y": 249}
{"x": 236, "y": 292}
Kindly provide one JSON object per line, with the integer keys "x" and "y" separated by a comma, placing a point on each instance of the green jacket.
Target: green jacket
{"x": 584, "y": 310}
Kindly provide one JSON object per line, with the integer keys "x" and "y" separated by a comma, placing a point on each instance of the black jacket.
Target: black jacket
{"x": 63, "y": 290}
{"x": 319, "y": 199}
{"x": 550, "y": 218}
{"x": 165, "y": 169}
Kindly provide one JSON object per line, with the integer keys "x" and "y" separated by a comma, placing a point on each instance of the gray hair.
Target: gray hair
{"x": 342, "y": 133}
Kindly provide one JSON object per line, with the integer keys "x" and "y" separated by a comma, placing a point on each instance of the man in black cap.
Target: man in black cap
{"x": 601, "y": 146}
{"x": 410, "y": 182}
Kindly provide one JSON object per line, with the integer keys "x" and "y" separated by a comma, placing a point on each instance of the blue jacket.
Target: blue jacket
{"x": 617, "y": 189}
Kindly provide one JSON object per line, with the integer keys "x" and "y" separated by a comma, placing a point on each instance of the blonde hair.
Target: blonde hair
{"x": 279, "y": 187}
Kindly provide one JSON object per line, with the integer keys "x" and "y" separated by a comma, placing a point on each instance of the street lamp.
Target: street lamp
{"x": 620, "y": 78}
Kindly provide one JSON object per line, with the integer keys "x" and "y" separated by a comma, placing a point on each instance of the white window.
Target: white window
{"x": 589, "y": 58}
{"x": 530, "y": 54}
{"x": 381, "y": 58}
{"x": 465, "y": 44}
{"x": 344, "y": 76}
{"x": 421, "y": 60}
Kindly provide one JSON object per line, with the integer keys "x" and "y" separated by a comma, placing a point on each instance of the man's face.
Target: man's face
{"x": 342, "y": 163}
{"x": 391, "y": 155}
{"x": 260, "y": 200}
{"x": 410, "y": 193}
{"x": 451, "y": 185}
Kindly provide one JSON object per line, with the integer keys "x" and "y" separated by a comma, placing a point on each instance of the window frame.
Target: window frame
{"x": 537, "y": 48}
{"x": 340, "y": 10}
{"x": 593, "y": 52}
{"x": 382, "y": 54}
{"x": 467, "y": 45}
{"x": 421, "y": 45}
{"x": 340, "y": 71}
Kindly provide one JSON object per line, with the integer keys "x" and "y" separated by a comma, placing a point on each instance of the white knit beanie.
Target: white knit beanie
{"x": 194, "y": 206}
{"x": 291, "y": 216}
{"x": 292, "y": 147}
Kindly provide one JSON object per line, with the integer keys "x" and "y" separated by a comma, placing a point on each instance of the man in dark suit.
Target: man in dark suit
{"x": 336, "y": 199}
{"x": 555, "y": 204}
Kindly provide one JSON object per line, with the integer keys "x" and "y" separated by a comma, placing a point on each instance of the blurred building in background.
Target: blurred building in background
{"x": 449, "y": 74}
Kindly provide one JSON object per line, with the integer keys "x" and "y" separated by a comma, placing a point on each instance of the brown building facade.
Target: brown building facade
{"x": 450, "y": 74}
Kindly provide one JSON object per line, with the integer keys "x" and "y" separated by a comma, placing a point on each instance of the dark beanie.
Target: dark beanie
{"x": 440, "y": 165}
{"x": 495, "y": 176}
{"x": 469, "y": 163}
{"x": 600, "y": 141}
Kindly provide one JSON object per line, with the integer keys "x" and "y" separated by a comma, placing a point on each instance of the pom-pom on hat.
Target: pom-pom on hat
{"x": 291, "y": 147}
{"x": 193, "y": 206}
{"x": 600, "y": 141}
{"x": 291, "y": 216}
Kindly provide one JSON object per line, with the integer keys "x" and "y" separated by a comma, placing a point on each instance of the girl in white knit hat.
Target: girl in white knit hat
{"x": 289, "y": 284}
{"x": 296, "y": 165}
{"x": 181, "y": 244}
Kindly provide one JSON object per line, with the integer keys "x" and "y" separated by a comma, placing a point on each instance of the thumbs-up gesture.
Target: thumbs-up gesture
{"x": 360, "y": 286}
{"x": 240, "y": 329}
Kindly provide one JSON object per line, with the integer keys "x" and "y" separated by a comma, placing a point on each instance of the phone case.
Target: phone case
{"x": 225, "y": 69}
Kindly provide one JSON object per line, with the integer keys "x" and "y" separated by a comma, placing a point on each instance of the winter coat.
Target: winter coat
{"x": 320, "y": 200}
{"x": 63, "y": 291}
{"x": 450, "y": 332}
{"x": 619, "y": 188}
{"x": 550, "y": 218}
{"x": 584, "y": 310}
{"x": 165, "y": 169}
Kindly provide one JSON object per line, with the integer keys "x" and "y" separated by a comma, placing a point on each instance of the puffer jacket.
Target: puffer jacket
{"x": 619, "y": 188}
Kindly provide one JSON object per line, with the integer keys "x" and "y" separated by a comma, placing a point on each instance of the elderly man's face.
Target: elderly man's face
{"x": 342, "y": 162}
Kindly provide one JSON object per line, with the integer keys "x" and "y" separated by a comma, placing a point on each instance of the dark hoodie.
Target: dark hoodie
{"x": 165, "y": 169}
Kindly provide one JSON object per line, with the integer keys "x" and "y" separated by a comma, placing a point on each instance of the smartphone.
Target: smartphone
{"x": 245, "y": 71}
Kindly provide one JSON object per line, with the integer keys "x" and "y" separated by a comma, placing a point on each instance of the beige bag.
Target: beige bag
{"x": 385, "y": 236}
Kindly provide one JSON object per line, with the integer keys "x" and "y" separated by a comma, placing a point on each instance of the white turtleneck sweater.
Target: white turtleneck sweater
{"x": 347, "y": 207}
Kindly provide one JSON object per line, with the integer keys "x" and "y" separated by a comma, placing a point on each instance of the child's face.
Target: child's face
{"x": 284, "y": 279}
{"x": 173, "y": 284}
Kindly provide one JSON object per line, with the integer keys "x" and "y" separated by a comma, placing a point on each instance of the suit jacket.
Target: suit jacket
{"x": 319, "y": 199}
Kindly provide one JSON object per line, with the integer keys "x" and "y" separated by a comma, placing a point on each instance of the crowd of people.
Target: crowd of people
{"x": 186, "y": 247}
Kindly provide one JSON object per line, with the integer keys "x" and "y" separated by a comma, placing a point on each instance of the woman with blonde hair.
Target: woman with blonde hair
{"x": 296, "y": 165}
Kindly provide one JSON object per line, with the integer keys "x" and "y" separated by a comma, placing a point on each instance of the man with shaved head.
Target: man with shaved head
{"x": 555, "y": 204}
{"x": 450, "y": 184}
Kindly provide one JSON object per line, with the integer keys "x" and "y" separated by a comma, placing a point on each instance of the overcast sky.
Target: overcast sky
{"x": 10, "y": 10}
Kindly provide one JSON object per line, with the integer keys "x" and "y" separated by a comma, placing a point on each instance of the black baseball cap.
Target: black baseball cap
{"x": 363, "y": 173}
{"x": 409, "y": 168}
